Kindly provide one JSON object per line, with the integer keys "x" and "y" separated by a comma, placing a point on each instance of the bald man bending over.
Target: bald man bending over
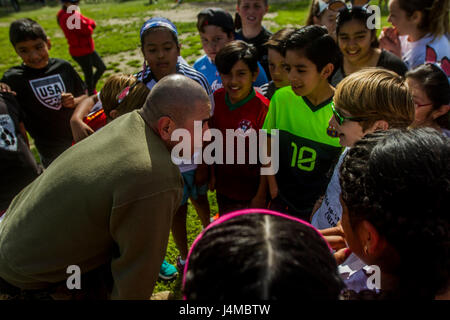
{"x": 104, "y": 206}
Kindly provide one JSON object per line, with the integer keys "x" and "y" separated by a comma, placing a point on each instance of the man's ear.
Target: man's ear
{"x": 49, "y": 44}
{"x": 327, "y": 71}
{"x": 445, "y": 108}
{"x": 165, "y": 126}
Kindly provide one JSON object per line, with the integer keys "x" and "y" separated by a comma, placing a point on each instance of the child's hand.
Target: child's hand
{"x": 335, "y": 237}
{"x": 5, "y": 88}
{"x": 258, "y": 202}
{"x": 80, "y": 130}
{"x": 341, "y": 255}
{"x": 67, "y": 100}
{"x": 389, "y": 41}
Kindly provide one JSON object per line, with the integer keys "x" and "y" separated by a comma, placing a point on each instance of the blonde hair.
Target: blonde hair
{"x": 376, "y": 94}
{"x": 114, "y": 85}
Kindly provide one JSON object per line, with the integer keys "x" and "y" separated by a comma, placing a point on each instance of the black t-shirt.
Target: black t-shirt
{"x": 258, "y": 42}
{"x": 386, "y": 60}
{"x": 38, "y": 93}
{"x": 17, "y": 164}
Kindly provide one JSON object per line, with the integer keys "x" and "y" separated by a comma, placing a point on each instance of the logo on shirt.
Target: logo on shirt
{"x": 244, "y": 125}
{"x": 48, "y": 90}
{"x": 331, "y": 131}
{"x": 8, "y": 139}
{"x": 216, "y": 85}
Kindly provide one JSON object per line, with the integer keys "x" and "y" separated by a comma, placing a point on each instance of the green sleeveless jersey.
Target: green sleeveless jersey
{"x": 306, "y": 151}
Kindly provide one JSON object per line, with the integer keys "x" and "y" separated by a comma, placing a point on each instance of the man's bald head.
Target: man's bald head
{"x": 175, "y": 96}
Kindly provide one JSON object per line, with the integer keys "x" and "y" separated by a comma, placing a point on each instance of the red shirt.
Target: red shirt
{"x": 79, "y": 39}
{"x": 238, "y": 181}
{"x": 96, "y": 120}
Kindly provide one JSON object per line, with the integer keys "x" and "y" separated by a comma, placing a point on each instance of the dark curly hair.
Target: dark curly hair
{"x": 399, "y": 181}
{"x": 263, "y": 257}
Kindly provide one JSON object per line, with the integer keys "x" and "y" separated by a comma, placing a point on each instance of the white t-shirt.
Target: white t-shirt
{"x": 414, "y": 53}
{"x": 330, "y": 212}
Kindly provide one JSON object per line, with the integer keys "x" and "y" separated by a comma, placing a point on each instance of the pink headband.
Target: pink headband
{"x": 240, "y": 213}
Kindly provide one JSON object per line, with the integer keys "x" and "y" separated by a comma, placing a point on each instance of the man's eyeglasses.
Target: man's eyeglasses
{"x": 125, "y": 92}
{"x": 340, "y": 118}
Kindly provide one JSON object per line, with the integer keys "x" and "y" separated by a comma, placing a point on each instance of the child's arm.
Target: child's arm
{"x": 273, "y": 186}
{"x": 87, "y": 25}
{"x": 201, "y": 175}
{"x": 271, "y": 181}
{"x": 259, "y": 200}
{"x": 212, "y": 178}
{"x": 80, "y": 129}
{"x": 23, "y": 132}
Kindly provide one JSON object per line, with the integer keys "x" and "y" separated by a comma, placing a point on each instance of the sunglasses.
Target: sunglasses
{"x": 338, "y": 5}
{"x": 340, "y": 118}
{"x": 125, "y": 92}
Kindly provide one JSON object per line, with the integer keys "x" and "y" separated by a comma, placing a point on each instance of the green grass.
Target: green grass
{"x": 117, "y": 31}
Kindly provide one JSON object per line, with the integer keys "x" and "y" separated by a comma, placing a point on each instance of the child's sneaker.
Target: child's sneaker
{"x": 167, "y": 271}
{"x": 180, "y": 264}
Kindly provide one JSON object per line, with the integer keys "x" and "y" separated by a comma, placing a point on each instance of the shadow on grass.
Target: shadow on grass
{"x": 6, "y": 8}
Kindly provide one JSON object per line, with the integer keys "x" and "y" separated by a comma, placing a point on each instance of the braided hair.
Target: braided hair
{"x": 399, "y": 181}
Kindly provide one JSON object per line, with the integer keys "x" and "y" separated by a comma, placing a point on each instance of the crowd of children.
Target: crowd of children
{"x": 331, "y": 94}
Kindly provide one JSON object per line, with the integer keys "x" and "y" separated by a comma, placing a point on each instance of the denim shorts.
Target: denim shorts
{"x": 190, "y": 189}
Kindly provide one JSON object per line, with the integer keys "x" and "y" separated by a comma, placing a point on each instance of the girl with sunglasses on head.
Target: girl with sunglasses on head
{"x": 416, "y": 24}
{"x": 120, "y": 94}
{"x": 320, "y": 14}
{"x": 359, "y": 45}
{"x": 365, "y": 101}
{"x": 430, "y": 89}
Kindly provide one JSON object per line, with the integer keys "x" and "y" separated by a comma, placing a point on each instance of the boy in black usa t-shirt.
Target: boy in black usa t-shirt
{"x": 17, "y": 165}
{"x": 47, "y": 89}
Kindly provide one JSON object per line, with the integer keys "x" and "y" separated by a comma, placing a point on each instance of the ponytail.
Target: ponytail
{"x": 438, "y": 18}
{"x": 434, "y": 15}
